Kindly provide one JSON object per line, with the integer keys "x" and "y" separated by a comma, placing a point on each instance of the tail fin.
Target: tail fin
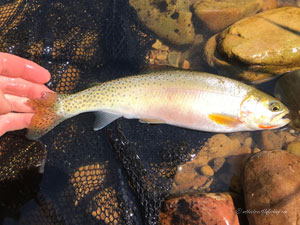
{"x": 45, "y": 117}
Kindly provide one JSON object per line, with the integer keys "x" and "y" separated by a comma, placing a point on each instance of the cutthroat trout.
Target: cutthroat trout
{"x": 193, "y": 100}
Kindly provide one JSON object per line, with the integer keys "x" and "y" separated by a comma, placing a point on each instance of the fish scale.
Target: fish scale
{"x": 188, "y": 99}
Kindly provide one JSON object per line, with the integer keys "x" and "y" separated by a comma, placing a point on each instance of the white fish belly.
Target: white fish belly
{"x": 186, "y": 108}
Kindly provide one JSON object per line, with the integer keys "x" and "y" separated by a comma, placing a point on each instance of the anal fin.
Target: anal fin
{"x": 154, "y": 121}
{"x": 103, "y": 119}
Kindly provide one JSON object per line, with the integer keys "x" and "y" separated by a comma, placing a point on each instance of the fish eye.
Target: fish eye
{"x": 274, "y": 107}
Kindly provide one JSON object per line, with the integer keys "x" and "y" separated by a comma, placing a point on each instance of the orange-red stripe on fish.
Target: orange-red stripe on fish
{"x": 266, "y": 127}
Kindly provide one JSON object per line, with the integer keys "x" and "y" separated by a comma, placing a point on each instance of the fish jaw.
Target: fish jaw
{"x": 276, "y": 122}
{"x": 279, "y": 119}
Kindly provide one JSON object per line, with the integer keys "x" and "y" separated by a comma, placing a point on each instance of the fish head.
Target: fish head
{"x": 260, "y": 111}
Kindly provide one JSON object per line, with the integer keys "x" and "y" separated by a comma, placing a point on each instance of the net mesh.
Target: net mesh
{"x": 118, "y": 175}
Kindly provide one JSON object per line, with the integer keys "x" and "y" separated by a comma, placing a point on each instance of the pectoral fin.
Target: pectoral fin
{"x": 103, "y": 119}
{"x": 155, "y": 121}
{"x": 224, "y": 120}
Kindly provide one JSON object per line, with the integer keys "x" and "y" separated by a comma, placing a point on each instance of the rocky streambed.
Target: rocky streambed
{"x": 261, "y": 167}
{"x": 239, "y": 178}
{"x": 247, "y": 40}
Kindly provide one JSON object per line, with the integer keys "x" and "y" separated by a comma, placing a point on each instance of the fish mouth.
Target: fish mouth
{"x": 277, "y": 121}
{"x": 281, "y": 119}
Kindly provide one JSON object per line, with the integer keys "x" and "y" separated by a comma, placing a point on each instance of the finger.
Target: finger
{"x": 23, "y": 88}
{"x": 18, "y": 104}
{"x": 15, "y": 66}
{"x": 14, "y": 121}
{"x": 4, "y": 105}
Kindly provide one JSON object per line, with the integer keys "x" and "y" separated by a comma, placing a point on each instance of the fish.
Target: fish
{"x": 188, "y": 99}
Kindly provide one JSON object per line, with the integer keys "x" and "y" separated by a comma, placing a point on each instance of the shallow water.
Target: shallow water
{"x": 119, "y": 175}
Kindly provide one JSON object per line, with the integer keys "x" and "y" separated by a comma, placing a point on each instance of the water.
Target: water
{"x": 119, "y": 175}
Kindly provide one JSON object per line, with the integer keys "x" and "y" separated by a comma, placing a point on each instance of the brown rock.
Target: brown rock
{"x": 288, "y": 91}
{"x": 192, "y": 58}
{"x": 248, "y": 49}
{"x": 294, "y": 148}
{"x": 217, "y": 15}
{"x": 204, "y": 209}
{"x": 248, "y": 142}
{"x": 185, "y": 174}
{"x": 187, "y": 179}
{"x": 157, "y": 44}
{"x": 218, "y": 61}
{"x": 236, "y": 184}
{"x": 199, "y": 183}
{"x": 174, "y": 58}
{"x": 241, "y": 136}
{"x": 206, "y": 170}
{"x": 256, "y": 150}
{"x": 241, "y": 39}
{"x": 221, "y": 146}
{"x": 271, "y": 188}
{"x": 170, "y": 20}
{"x": 270, "y": 141}
{"x": 236, "y": 162}
{"x": 269, "y": 4}
{"x": 218, "y": 146}
{"x": 243, "y": 150}
{"x": 217, "y": 163}
{"x": 286, "y": 137}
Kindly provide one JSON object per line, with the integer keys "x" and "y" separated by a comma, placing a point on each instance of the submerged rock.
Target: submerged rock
{"x": 212, "y": 208}
{"x": 217, "y": 15}
{"x": 271, "y": 188}
{"x": 207, "y": 170}
{"x": 198, "y": 174}
{"x": 274, "y": 139}
{"x": 258, "y": 47}
{"x": 294, "y": 148}
{"x": 287, "y": 89}
{"x": 164, "y": 55}
{"x": 269, "y": 4}
{"x": 170, "y": 20}
{"x": 270, "y": 140}
{"x": 217, "y": 163}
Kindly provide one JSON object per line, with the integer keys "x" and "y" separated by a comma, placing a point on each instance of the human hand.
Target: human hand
{"x": 20, "y": 80}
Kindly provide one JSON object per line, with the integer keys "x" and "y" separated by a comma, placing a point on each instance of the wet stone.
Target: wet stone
{"x": 170, "y": 20}
{"x": 269, "y": 4}
{"x": 287, "y": 90}
{"x": 212, "y": 208}
{"x": 248, "y": 142}
{"x": 217, "y": 15}
{"x": 188, "y": 179}
{"x": 286, "y": 137}
{"x": 294, "y": 148}
{"x": 249, "y": 50}
{"x": 256, "y": 150}
{"x": 217, "y": 163}
{"x": 200, "y": 172}
{"x": 207, "y": 171}
{"x": 271, "y": 188}
{"x": 270, "y": 141}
